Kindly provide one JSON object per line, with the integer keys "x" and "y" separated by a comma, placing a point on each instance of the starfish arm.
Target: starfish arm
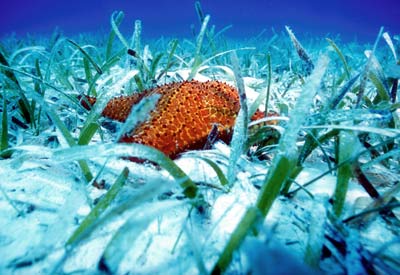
{"x": 117, "y": 108}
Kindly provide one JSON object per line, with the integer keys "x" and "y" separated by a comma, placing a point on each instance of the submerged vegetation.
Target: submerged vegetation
{"x": 338, "y": 119}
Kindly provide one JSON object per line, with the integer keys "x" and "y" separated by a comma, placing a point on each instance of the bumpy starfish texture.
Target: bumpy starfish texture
{"x": 183, "y": 117}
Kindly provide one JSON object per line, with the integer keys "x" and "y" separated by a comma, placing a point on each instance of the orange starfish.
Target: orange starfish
{"x": 183, "y": 117}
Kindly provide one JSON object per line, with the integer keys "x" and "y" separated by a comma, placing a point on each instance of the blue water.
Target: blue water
{"x": 352, "y": 19}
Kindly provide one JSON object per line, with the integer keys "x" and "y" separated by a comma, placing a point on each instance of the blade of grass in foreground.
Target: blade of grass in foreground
{"x": 239, "y": 135}
{"x": 102, "y": 205}
{"x": 265, "y": 94}
{"x": 4, "y": 131}
{"x": 116, "y": 19}
{"x": 88, "y": 57}
{"x": 8, "y": 73}
{"x": 301, "y": 52}
{"x": 124, "y": 239}
{"x": 169, "y": 63}
{"x": 341, "y": 56}
{"x": 282, "y": 166}
{"x": 346, "y": 150}
{"x": 23, "y": 103}
{"x": 222, "y": 179}
{"x": 197, "y": 57}
{"x": 134, "y": 150}
{"x": 65, "y": 133}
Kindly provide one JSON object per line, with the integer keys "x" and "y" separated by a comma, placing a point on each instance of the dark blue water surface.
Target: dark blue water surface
{"x": 352, "y": 19}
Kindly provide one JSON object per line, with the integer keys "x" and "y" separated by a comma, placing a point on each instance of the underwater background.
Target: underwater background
{"x": 352, "y": 19}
